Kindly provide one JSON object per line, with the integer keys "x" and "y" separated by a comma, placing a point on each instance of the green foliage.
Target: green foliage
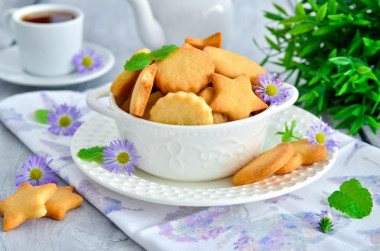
{"x": 352, "y": 199}
{"x": 91, "y": 154}
{"x": 41, "y": 116}
{"x": 288, "y": 134}
{"x": 141, "y": 60}
{"x": 334, "y": 48}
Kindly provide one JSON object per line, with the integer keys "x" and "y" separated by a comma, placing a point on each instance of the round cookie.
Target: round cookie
{"x": 186, "y": 69}
{"x": 292, "y": 164}
{"x": 181, "y": 108}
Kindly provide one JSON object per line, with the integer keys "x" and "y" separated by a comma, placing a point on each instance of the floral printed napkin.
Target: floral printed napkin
{"x": 286, "y": 222}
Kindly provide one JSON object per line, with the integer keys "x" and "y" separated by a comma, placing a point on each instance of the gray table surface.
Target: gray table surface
{"x": 111, "y": 24}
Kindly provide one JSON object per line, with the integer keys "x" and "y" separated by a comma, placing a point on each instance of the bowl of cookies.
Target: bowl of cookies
{"x": 198, "y": 113}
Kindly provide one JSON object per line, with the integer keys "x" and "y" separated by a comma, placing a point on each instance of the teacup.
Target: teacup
{"x": 46, "y": 46}
{"x": 191, "y": 153}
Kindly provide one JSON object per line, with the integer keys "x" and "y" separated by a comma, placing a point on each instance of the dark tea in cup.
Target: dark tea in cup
{"x": 48, "y": 17}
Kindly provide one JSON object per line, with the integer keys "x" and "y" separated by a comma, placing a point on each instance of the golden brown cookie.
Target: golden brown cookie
{"x": 208, "y": 94}
{"x": 62, "y": 201}
{"x": 310, "y": 153}
{"x": 235, "y": 97}
{"x": 126, "y": 104}
{"x": 186, "y": 69}
{"x": 181, "y": 108}
{"x": 142, "y": 89}
{"x": 264, "y": 165}
{"x": 26, "y": 203}
{"x": 151, "y": 102}
{"x": 233, "y": 65}
{"x": 292, "y": 164}
{"x": 214, "y": 40}
{"x": 122, "y": 86}
{"x": 304, "y": 154}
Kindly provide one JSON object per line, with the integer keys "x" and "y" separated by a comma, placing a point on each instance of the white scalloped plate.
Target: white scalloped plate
{"x": 101, "y": 130}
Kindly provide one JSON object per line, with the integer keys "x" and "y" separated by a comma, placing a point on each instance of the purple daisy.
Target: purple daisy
{"x": 36, "y": 172}
{"x": 120, "y": 156}
{"x": 325, "y": 222}
{"x": 63, "y": 119}
{"x": 321, "y": 134}
{"x": 87, "y": 60}
{"x": 272, "y": 90}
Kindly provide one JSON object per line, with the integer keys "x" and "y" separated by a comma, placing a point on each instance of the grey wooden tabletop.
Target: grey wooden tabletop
{"x": 111, "y": 24}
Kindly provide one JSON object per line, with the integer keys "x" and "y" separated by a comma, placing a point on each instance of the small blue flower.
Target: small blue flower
{"x": 63, "y": 119}
{"x": 87, "y": 60}
{"x": 36, "y": 172}
{"x": 120, "y": 156}
{"x": 321, "y": 134}
{"x": 272, "y": 90}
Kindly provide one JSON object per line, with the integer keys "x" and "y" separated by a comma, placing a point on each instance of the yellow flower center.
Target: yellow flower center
{"x": 87, "y": 61}
{"x": 320, "y": 137}
{"x": 123, "y": 158}
{"x": 35, "y": 174}
{"x": 64, "y": 121}
{"x": 271, "y": 90}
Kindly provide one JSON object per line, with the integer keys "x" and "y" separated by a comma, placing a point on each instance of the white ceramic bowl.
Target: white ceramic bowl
{"x": 191, "y": 153}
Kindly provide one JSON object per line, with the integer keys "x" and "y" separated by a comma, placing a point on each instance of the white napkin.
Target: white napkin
{"x": 286, "y": 222}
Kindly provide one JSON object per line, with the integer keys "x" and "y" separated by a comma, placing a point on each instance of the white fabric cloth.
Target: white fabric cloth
{"x": 287, "y": 222}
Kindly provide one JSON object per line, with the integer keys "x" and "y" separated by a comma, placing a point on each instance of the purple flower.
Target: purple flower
{"x": 63, "y": 119}
{"x": 271, "y": 90}
{"x": 325, "y": 222}
{"x": 87, "y": 60}
{"x": 120, "y": 156}
{"x": 36, "y": 172}
{"x": 321, "y": 134}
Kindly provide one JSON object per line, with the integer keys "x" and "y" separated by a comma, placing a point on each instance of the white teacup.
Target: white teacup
{"x": 46, "y": 49}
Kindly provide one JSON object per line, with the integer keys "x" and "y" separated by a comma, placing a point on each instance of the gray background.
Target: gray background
{"x": 111, "y": 24}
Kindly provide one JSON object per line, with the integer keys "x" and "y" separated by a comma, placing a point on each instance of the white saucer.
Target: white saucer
{"x": 11, "y": 70}
{"x": 144, "y": 186}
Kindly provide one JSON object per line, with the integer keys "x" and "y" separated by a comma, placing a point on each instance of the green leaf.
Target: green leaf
{"x": 372, "y": 123}
{"x": 358, "y": 123}
{"x": 362, "y": 23}
{"x": 324, "y": 30}
{"x": 332, "y": 7}
{"x": 300, "y": 11}
{"x": 289, "y": 55}
{"x": 352, "y": 199}
{"x": 41, "y": 116}
{"x": 138, "y": 62}
{"x": 273, "y": 44}
{"x": 313, "y": 5}
{"x": 163, "y": 52}
{"x": 337, "y": 17}
{"x": 301, "y": 28}
{"x": 91, "y": 154}
{"x": 273, "y": 16}
{"x": 292, "y": 20}
{"x": 280, "y": 9}
{"x": 363, "y": 69}
{"x": 288, "y": 134}
{"x": 321, "y": 14}
{"x": 341, "y": 61}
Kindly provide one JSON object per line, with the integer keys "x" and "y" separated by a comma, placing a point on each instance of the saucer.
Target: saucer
{"x": 144, "y": 186}
{"x": 11, "y": 70}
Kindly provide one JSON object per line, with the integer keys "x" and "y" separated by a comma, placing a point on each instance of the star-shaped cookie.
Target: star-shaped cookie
{"x": 62, "y": 201}
{"x": 26, "y": 203}
{"x": 235, "y": 97}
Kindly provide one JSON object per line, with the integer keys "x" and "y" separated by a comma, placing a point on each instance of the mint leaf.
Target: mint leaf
{"x": 141, "y": 60}
{"x": 164, "y": 52}
{"x": 138, "y": 62}
{"x": 352, "y": 199}
{"x": 41, "y": 116}
{"x": 91, "y": 154}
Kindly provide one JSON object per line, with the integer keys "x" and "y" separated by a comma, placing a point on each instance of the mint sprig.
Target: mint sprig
{"x": 91, "y": 154}
{"x": 41, "y": 116}
{"x": 141, "y": 60}
{"x": 352, "y": 199}
{"x": 288, "y": 134}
